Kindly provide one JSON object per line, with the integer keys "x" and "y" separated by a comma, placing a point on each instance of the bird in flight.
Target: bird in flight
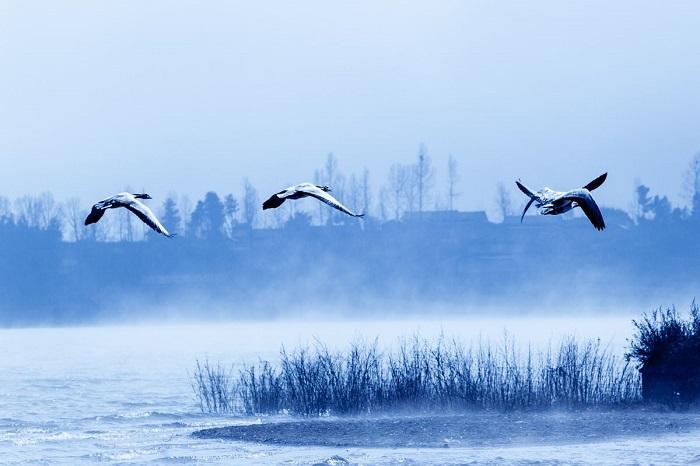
{"x": 307, "y": 190}
{"x": 556, "y": 202}
{"x": 130, "y": 202}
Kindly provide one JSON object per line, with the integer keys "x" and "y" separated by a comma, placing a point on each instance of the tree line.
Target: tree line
{"x": 408, "y": 187}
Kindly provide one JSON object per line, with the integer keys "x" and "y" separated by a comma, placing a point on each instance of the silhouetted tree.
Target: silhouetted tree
{"x": 185, "y": 206}
{"x": 331, "y": 177}
{"x": 207, "y": 220}
{"x": 643, "y": 203}
{"x": 230, "y": 214}
{"x": 452, "y": 180}
{"x": 397, "y": 193}
{"x": 423, "y": 176}
{"x": 40, "y": 211}
{"x": 657, "y": 208}
{"x": 366, "y": 194}
{"x": 171, "y": 218}
{"x": 503, "y": 201}
{"x": 74, "y": 216}
{"x": 692, "y": 182}
{"x": 250, "y": 203}
{"x": 126, "y": 225}
{"x": 354, "y": 194}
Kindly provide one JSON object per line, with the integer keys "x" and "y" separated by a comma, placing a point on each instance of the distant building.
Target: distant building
{"x": 617, "y": 217}
{"x": 444, "y": 217}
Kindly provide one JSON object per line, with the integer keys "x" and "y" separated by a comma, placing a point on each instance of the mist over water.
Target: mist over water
{"x": 122, "y": 394}
{"x": 116, "y": 394}
{"x": 419, "y": 115}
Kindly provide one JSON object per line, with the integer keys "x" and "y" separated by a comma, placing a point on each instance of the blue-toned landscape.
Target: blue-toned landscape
{"x": 349, "y": 233}
{"x": 435, "y": 262}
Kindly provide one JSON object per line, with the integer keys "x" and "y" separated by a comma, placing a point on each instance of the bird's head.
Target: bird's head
{"x": 324, "y": 188}
{"x": 142, "y": 196}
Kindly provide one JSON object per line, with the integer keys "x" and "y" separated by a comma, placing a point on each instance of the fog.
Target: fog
{"x": 430, "y": 264}
{"x": 438, "y": 327}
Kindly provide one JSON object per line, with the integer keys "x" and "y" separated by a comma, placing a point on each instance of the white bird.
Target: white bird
{"x": 556, "y": 202}
{"x": 307, "y": 190}
{"x": 132, "y": 203}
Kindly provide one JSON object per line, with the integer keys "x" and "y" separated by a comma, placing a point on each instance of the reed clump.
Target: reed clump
{"x": 424, "y": 375}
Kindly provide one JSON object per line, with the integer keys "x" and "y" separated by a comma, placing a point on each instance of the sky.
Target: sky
{"x": 185, "y": 97}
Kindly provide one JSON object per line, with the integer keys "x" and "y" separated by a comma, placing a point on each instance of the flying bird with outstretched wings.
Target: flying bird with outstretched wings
{"x": 303, "y": 190}
{"x": 550, "y": 202}
{"x": 132, "y": 204}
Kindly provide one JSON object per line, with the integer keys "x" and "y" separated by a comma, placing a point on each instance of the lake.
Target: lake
{"x": 122, "y": 394}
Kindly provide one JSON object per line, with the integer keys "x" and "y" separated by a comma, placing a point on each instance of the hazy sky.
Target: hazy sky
{"x": 190, "y": 96}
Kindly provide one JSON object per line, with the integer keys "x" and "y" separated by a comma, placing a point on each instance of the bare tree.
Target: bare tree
{"x": 318, "y": 180}
{"x": 40, "y": 211}
{"x": 331, "y": 169}
{"x": 340, "y": 192}
{"x": 398, "y": 192}
{"x": 230, "y": 214}
{"x": 126, "y": 226}
{"x": 5, "y": 209}
{"x": 452, "y": 180}
{"x": 503, "y": 201}
{"x": 384, "y": 194}
{"x": 336, "y": 181}
{"x": 170, "y": 215}
{"x": 49, "y": 210}
{"x": 410, "y": 188}
{"x": 26, "y": 211}
{"x": 186, "y": 214}
{"x": 330, "y": 176}
{"x": 366, "y": 194}
{"x": 250, "y": 202}
{"x": 73, "y": 216}
{"x": 354, "y": 193}
{"x": 692, "y": 186}
{"x": 424, "y": 176}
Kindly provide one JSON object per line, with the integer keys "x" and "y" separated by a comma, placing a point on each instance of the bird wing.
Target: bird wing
{"x": 528, "y": 193}
{"x": 532, "y": 199}
{"x": 525, "y": 189}
{"x": 328, "y": 199}
{"x": 275, "y": 201}
{"x": 583, "y": 198}
{"x": 95, "y": 214}
{"x": 142, "y": 211}
{"x": 596, "y": 183}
